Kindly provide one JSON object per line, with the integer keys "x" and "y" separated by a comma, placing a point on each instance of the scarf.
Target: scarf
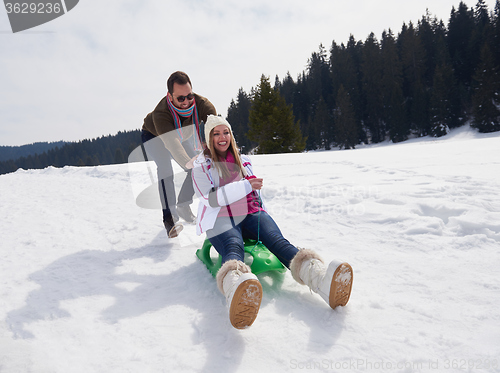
{"x": 230, "y": 163}
{"x": 186, "y": 113}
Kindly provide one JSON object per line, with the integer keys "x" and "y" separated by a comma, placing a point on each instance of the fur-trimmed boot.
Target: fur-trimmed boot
{"x": 334, "y": 283}
{"x": 242, "y": 290}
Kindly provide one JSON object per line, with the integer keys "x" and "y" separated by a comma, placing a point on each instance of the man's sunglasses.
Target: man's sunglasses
{"x": 182, "y": 98}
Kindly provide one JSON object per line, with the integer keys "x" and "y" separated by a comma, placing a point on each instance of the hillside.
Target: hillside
{"x": 105, "y": 150}
{"x": 90, "y": 283}
{"x": 15, "y": 152}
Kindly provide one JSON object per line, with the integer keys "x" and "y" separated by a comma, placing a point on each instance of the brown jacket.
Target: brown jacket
{"x": 160, "y": 121}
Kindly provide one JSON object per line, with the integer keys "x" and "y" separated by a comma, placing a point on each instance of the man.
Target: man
{"x": 172, "y": 130}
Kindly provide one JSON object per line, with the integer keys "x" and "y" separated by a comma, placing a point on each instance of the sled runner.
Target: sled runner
{"x": 262, "y": 259}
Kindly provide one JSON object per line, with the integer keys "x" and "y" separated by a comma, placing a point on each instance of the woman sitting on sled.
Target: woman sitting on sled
{"x": 230, "y": 210}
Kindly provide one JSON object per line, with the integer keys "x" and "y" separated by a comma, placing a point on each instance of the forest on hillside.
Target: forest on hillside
{"x": 429, "y": 78}
{"x": 425, "y": 80}
{"x": 15, "y": 152}
{"x": 111, "y": 149}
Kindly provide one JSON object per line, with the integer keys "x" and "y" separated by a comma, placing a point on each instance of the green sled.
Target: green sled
{"x": 263, "y": 259}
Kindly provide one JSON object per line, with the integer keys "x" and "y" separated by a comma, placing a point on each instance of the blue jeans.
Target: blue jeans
{"x": 227, "y": 237}
{"x": 157, "y": 152}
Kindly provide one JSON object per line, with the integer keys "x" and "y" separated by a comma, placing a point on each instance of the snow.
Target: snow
{"x": 90, "y": 282}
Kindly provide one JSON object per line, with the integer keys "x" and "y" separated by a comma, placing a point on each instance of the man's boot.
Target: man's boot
{"x": 173, "y": 227}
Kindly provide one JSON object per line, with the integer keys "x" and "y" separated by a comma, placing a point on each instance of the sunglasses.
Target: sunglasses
{"x": 182, "y": 98}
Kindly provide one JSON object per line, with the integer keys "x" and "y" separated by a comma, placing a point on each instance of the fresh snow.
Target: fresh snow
{"x": 90, "y": 282}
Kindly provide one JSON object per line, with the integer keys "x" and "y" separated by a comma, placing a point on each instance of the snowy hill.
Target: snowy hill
{"x": 90, "y": 283}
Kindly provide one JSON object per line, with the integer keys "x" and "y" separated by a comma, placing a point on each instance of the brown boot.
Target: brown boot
{"x": 173, "y": 228}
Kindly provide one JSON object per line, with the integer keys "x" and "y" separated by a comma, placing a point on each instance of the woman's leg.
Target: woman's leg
{"x": 265, "y": 229}
{"x": 227, "y": 239}
{"x": 235, "y": 279}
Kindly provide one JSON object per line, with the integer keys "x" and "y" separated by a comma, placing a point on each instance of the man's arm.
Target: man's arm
{"x": 205, "y": 108}
{"x": 164, "y": 125}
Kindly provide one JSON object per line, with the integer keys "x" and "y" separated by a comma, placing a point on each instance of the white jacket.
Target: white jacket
{"x": 211, "y": 196}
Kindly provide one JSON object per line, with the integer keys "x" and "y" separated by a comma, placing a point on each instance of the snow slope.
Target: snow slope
{"x": 90, "y": 283}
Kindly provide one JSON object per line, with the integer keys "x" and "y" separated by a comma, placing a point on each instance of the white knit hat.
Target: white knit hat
{"x": 212, "y": 122}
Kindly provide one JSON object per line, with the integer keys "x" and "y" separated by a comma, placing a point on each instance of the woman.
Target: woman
{"x": 230, "y": 210}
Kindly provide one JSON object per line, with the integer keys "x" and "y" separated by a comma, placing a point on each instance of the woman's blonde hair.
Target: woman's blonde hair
{"x": 221, "y": 164}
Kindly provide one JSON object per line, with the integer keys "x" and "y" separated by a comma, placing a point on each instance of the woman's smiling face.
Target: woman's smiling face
{"x": 221, "y": 137}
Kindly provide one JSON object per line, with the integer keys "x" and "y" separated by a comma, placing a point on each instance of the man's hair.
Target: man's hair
{"x": 178, "y": 77}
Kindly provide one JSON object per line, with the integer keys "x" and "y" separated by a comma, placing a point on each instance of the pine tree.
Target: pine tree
{"x": 302, "y": 103}
{"x": 480, "y": 34}
{"x": 413, "y": 65}
{"x": 442, "y": 108}
{"x": 272, "y": 123}
{"x": 496, "y": 33}
{"x": 481, "y": 14}
{"x": 392, "y": 89}
{"x": 319, "y": 88}
{"x": 445, "y": 103}
{"x": 346, "y": 133}
{"x": 429, "y": 30}
{"x": 237, "y": 115}
{"x": 319, "y": 79}
{"x": 460, "y": 32}
{"x": 486, "y": 99}
{"x": 119, "y": 158}
{"x": 322, "y": 126}
{"x": 371, "y": 70}
{"x": 288, "y": 88}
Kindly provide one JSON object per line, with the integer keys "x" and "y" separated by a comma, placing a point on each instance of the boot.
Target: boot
{"x": 172, "y": 226}
{"x": 242, "y": 290}
{"x": 332, "y": 283}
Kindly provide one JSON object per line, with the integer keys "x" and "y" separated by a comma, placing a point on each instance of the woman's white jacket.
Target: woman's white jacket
{"x": 212, "y": 197}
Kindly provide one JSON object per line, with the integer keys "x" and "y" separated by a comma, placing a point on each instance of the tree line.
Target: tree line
{"x": 428, "y": 79}
{"x": 15, "y": 152}
{"x": 111, "y": 149}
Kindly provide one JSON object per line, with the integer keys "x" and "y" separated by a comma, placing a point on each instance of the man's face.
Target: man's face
{"x": 181, "y": 90}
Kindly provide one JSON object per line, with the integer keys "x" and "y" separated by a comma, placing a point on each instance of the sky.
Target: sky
{"x": 102, "y": 67}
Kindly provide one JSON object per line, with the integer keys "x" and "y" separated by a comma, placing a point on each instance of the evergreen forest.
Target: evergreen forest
{"x": 15, "y": 152}
{"x": 429, "y": 78}
{"x": 111, "y": 149}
